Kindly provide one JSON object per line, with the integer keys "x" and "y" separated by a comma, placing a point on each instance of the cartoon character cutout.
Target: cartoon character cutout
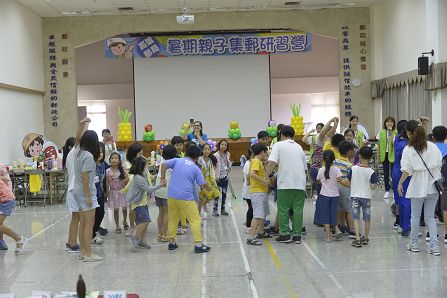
{"x": 119, "y": 47}
{"x": 32, "y": 144}
{"x": 35, "y": 145}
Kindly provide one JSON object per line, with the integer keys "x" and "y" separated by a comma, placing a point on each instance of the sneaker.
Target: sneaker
{"x": 172, "y": 246}
{"x": 72, "y": 249}
{"x": 3, "y": 245}
{"x": 303, "y": 231}
{"x": 387, "y": 195}
{"x": 142, "y": 245}
{"x": 253, "y": 242}
{"x": 223, "y": 212}
{"x": 364, "y": 240}
{"x": 98, "y": 240}
{"x": 445, "y": 238}
{"x": 412, "y": 247}
{"x": 434, "y": 251}
{"x": 427, "y": 237}
{"x": 126, "y": 227}
{"x": 215, "y": 213}
{"x": 351, "y": 235}
{"x": 263, "y": 236}
{"x": 266, "y": 223}
{"x": 405, "y": 233}
{"x": 399, "y": 230}
{"x": 356, "y": 243}
{"x": 296, "y": 239}
{"x": 201, "y": 249}
{"x": 338, "y": 235}
{"x": 272, "y": 231}
{"x": 93, "y": 258}
{"x": 180, "y": 231}
{"x": 395, "y": 225}
{"x": 81, "y": 257}
{"x": 103, "y": 231}
{"x": 284, "y": 239}
{"x": 21, "y": 245}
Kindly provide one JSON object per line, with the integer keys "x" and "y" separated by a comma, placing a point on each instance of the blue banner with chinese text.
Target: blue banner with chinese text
{"x": 126, "y": 47}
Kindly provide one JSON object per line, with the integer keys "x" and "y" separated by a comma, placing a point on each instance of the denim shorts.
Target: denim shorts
{"x": 363, "y": 203}
{"x": 6, "y": 207}
{"x": 142, "y": 215}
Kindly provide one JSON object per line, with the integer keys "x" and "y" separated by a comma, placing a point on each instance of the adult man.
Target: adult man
{"x": 291, "y": 181}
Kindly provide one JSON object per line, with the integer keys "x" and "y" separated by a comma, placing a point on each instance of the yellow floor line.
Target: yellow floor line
{"x": 278, "y": 265}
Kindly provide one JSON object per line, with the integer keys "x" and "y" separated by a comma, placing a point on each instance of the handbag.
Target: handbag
{"x": 437, "y": 182}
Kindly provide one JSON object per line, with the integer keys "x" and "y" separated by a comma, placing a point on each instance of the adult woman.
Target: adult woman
{"x": 421, "y": 160}
{"x": 84, "y": 190}
{"x": 197, "y": 136}
{"x": 359, "y": 138}
{"x": 386, "y": 150}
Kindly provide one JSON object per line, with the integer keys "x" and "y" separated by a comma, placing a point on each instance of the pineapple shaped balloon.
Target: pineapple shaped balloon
{"x": 297, "y": 120}
{"x": 124, "y": 126}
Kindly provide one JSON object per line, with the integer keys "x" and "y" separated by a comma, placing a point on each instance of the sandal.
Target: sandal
{"x": 126, "y": 227}
{"x": 118, "y": 231}
{"x": 364, "y": 240}
{"x": 253, "y": 242}
{"x": 21, "y": 245}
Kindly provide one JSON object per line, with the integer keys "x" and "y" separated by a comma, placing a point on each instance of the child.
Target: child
{"x": 327, "y": 201}
{"x": 246, "y": 190}
{"x": 161, "y": 195}
{"x": 259, "y": 188}
{"x": 349, "y": 137}
{"x": 7, "y": 203}
{"x": 137, "y": 197}
{"x": 178, "y": 143}
{"x": 116, "y": 180}
{"x": 101, "y": 168}
{"x": 344, "y": 213}
{"x": 110, "y": 145}
{"x": 185, "y": 175}
{"x": 207, "y": 162}
{"x": 223, "y": 168}
{"x": 363, "y": 180}
{"x": 263, "y": 137}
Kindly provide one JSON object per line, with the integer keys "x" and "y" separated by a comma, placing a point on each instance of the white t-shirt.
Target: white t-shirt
{"x": 246, "y": 187}
{"x": 361, "y": 180}
{"x": 291, "y": 161}
{"x": 70, "y": 165}
{"x": 421, "y": 183}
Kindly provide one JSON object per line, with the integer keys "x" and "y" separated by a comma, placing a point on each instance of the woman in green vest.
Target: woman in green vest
{"x": 386, "y": 150}
{"x": 359, "y": 139}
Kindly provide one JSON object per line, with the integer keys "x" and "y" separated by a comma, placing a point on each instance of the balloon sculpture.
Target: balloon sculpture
{"x": 272, "y": 130}
{"x": 161, "y": 145}
{"x": 148, "y": 135}
{"x": 185, "y": 129}
{"x": 213, "y": 144}
{"x": 253, "y": 141}
{"x": 297, "y": 119}
{"x": 234, "y": 131}
{"x": 124, "y": 126}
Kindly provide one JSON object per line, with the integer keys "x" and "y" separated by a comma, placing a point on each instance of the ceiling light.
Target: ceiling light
{"x": 69, "y": 13}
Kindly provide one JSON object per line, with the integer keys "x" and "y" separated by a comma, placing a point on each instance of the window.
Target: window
{"x": 324, "y": 106}
{"x": 97, "y": 112}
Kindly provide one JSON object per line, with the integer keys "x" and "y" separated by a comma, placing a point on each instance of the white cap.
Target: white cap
{"x": 114, "y": 40}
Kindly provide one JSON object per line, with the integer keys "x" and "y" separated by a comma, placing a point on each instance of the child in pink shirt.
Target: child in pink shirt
{"x": 7, "y": 203}
{"x": 327, "y": 202}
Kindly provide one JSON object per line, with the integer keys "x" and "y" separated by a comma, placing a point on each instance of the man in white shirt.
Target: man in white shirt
{"x": 291, "y": 181}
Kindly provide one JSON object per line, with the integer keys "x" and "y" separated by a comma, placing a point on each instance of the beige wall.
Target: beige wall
{"x": 83, "y": 30}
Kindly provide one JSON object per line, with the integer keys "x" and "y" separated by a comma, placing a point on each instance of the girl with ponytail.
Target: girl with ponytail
{"x": 327, "y": 202}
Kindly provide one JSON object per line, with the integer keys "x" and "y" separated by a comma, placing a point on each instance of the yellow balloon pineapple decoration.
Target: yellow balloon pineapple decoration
{"x": 297, "y": 120}
{"x": 124, "y": 126}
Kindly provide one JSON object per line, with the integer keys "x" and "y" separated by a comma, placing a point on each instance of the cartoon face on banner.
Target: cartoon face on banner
{"x": 35, "y": 145}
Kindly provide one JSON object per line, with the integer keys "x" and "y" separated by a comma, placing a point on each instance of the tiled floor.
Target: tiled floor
{"x": 312, "y": 269}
